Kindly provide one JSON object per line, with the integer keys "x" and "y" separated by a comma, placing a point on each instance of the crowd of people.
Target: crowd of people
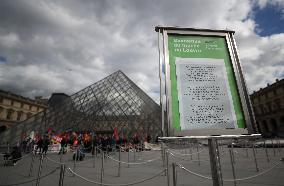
{"x": 79, "y": 142}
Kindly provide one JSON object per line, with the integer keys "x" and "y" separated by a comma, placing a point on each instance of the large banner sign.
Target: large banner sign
{"x": 203, "y": 83}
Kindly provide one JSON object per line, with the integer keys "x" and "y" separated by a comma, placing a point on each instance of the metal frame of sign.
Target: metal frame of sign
{"x": 165, "y": 81}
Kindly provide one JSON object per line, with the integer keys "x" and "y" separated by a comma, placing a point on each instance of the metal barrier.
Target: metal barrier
{"x": 227, "y": 180}
{"x": 108, "y": 184}
{"x": 134, "y": 163}
{"x": 213, "y": 151}
{"x": 32, "y": 180}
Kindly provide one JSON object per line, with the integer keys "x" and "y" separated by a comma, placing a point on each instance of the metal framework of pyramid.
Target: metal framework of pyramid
{"x": 113, "y": 102}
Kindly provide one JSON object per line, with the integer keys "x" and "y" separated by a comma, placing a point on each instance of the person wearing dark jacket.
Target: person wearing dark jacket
{"x": 63, "y": 144}
{"x": 45, "y": 144}
{"x": 39, "y": 146}
{"x": 16, "y": 155}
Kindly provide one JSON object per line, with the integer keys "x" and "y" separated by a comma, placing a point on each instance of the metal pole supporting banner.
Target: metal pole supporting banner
{"x": 39, "y": 170}
{"x": 32, "y": 165}
{"x": 215, "y": 162}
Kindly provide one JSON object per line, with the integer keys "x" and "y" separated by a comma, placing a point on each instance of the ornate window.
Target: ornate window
{"x": 19, "y": 116}
{"x": 9, "y": 114}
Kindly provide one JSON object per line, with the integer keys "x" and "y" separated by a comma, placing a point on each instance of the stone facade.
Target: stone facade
{"x": 15, "y": 108}
{"x": 268, "y": 106}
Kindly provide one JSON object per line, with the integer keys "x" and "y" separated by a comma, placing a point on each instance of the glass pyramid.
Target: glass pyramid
{"x": 113, "y": 102}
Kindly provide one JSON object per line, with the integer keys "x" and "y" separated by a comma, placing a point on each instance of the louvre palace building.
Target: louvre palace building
{"x": 15, "y": 108}
{"x": 268, "y": 106}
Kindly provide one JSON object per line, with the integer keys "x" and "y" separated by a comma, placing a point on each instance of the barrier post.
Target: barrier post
{"x": 39, "y": 170}
{"x": 266, "y": 153}
{"x": 197, "y": 148}
{"x": 8, "y": 147}
{"x": 61, "y": 154}
{"x": 215, "y": 162}
{"x": 92, "y": 148}
{"x": 233, "y": 167}
{"x": 190, "y": 149}
{"x": 174, "y": 174}
{"x": 278, "y": 145}
{"x": 62, "y": 174}
{"x": 102, "y": 168}
{"x": 128, "y": 157}
{"x": 254, "y": 156}
{"x": 93, "y": 156}
{"x": 119, "y": 163}
{"x": 246, "y": 144}
{"x": 232, "y": 148}
{"x": 75, "y": 159}
{"x": 134, "y": 155}
{"x": 167, "y": 172}
{"x": 163, "y": 153}
{"x": 274, "y": 153}
{"x": 32, "y": 165}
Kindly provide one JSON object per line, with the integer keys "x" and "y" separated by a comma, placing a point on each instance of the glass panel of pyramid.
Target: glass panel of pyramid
{"x": 113, "y": 102}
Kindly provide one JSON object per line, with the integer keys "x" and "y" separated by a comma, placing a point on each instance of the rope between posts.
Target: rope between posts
{"x": 109, "y": 184}
{"x": 51, "y": 172}
{"x": 187, "y": 159}
{"x": 84, "y": 153}
{"x": 250, "y": 177}
{"x": 181, "y": 154}
{"x": 229, "y": 180}
{"x": 135, "y": 163}
{"x": 54, "y": 161}
{"x": 194, "y": 173}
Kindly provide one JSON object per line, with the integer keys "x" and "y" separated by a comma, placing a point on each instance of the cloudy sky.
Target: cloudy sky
{"x": 63, "y": 46}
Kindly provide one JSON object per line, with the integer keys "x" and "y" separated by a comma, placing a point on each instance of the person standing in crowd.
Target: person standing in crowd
{"x": 39, "y": 145}
{"x": 16, "y": 155}
{"x": 63, "y": 144}
{"x": 45, "y": 144}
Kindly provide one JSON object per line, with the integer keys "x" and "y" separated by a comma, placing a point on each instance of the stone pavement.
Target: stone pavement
{"x": 150, "y": 165}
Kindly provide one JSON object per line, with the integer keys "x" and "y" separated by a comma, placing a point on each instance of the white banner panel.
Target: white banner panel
{"x": 203, "y": 94}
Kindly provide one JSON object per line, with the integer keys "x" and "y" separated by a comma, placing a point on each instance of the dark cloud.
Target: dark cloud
{"x": 63, "y": 46}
